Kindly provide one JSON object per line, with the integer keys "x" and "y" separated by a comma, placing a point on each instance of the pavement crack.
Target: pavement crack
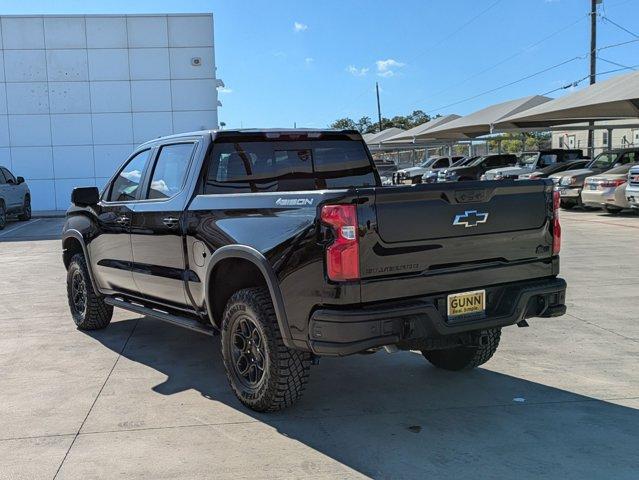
{"x": 603, "y": 328}
{"x": 96, "y": 398}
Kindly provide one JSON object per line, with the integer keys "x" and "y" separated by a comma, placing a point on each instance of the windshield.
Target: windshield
{"x": 475, "y": 162}
{"x": 528, "y": 159}
{"x": 464, "y": 161}
{"x": 428, "y": 163}
{"x": 604, "y": 160}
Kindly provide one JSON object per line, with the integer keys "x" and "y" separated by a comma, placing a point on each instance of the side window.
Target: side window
{"x": 548, "y": 159}
{"x": 2, "y": 179}
{"x": 9, "y": 176}
{"x": 126, "y": 184}
{"x": 169, "y": 171}
{"x": 441, "y": 163}
{"x": 493, "y": 162}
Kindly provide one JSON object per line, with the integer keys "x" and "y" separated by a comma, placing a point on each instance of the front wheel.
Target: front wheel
{"x": 3, "y": 216}
{"x": 264, "y": 374}
{"x": 466, "y": 357}
{"x": 88, "y": 309}
{"x": 26, "y": 210}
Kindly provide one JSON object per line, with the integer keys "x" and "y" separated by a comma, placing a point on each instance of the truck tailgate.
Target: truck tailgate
{"x": 454, "y": 236}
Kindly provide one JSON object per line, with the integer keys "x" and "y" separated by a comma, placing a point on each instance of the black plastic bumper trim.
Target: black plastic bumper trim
{"x": 347, "y": 331}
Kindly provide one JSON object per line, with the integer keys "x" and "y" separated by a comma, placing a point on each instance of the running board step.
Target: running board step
{"x": 185, "y": 322}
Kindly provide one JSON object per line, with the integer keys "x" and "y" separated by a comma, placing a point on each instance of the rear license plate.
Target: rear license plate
{"x": 563, "y": 192}
{"x": 467, "y": 303}
{"x": 593, "y": 187}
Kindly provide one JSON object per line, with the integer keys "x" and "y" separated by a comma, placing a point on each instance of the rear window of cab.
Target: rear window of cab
{"x": 267, "y": 166}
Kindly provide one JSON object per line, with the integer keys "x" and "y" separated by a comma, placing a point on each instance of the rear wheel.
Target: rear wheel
{"x": 88, "y": 309}
{"x": 26, "y": 209}
{"x": 3, "y": 216}
{"x": 612, "y": 210}
{"x": 466, "y": 357}
{"x": 566, "y": 205}
{"x": 264, "y": 374}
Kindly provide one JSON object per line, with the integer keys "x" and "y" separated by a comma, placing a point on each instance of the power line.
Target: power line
{"x": 458, "y": 29}
{"x": 552, "y": 67}
{"x": 577, "y": 82}
{"x": 615, "y": 63}
{"x": 603, "y": 17}
{"x": 501, "y": 62}
{"x": 450, "y": 35}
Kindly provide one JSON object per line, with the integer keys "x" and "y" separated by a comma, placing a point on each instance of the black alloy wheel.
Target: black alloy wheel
{"x": 249, "y": 359}
{"x": 78, "y": 293}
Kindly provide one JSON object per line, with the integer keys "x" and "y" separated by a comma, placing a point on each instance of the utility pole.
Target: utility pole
{"x": 379, "y": 109}
{"x": 593, "y": 68}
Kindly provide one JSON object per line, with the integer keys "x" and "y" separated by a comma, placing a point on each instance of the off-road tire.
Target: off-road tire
{"x": 26, "y": 210}
{"x": 567, "y": 205}
{"x": 96, "y": 314}
{"x": 465, "y": 358}
{"x": 3, "y": 216}
{"x": 285, "y": 371}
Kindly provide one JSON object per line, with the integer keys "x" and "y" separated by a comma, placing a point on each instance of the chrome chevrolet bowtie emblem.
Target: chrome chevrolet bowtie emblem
{"x": 470, "y": 218}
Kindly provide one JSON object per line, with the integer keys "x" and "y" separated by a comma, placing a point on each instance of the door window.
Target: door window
{"x": 170, "y": 170}
{"x": 441, "y": 163}
{"x": 2, "y": 178}
{"x": 9, "y": 176}
{"x": 126, "y": 184}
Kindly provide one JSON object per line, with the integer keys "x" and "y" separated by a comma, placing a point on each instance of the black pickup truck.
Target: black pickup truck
{"x": 285, "y": 243}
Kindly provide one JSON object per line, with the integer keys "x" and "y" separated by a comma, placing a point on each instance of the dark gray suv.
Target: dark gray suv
{"x": 15, "y": 197}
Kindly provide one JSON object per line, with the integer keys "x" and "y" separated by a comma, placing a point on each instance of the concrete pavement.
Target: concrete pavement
{"x": 143, "y": 399}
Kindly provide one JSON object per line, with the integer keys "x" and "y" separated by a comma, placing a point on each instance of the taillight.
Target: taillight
{"x": 612, "y": 183}
{"x": 342, "y": 256}
{"x": 556, "y": 227}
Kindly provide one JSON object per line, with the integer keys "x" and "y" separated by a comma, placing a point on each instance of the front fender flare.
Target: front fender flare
{"x": 254, "y": 256}
{"x": 75, "y": 234}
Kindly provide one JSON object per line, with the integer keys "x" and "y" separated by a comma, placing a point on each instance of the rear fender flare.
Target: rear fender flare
{"x": 254, "y": 256}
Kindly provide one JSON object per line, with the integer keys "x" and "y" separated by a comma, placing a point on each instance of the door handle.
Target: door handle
{"x": 123, "y": 220}
{"x": 170, "y": 222}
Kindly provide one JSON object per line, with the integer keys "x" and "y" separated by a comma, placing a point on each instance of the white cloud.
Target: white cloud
{"x": 309, "y": 61}
{"x": 357, "y": 72}
{"x": 300, "y": 27}
{"x": 225, "y": 90}
{"x": 387, "y": 68}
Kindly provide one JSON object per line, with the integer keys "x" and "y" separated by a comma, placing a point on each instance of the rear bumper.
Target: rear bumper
{"x": 347, "y": 331}
{"x": 569, "y": 193}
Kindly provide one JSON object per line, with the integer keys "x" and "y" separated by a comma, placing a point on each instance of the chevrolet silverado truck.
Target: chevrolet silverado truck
{"x": 285, "y": 244}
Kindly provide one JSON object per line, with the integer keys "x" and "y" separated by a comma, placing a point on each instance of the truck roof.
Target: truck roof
{"x": 257, "y": 131}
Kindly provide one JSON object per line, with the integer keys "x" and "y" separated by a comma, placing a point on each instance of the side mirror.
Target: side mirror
{"x": 85, "y": 196}
{"x": 20, "y": 180}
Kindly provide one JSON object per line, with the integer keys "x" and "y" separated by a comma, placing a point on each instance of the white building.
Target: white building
{"x": 621, "y": 137}
{"x": 77, "y": 93}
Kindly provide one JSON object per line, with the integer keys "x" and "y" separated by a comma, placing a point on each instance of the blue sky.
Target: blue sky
{"x": 311, "y": 62}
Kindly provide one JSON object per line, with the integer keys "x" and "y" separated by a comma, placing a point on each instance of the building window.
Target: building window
{"x": 561, "y": 142}
{"x": 604, "y": 140}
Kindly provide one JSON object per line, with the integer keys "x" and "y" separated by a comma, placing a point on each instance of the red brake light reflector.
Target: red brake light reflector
{"x": 556, "y": 226}
{"x": 342, "y": 256}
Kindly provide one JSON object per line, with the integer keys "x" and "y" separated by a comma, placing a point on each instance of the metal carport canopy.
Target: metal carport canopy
{"x": 384, "y": 134}
{"x": 480, "y": 122}
{"x": 615, "y": 98}
{"x": 419, "y": 132}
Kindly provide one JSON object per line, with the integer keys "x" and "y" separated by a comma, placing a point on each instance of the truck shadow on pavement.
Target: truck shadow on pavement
{"x": 395, "y": 416}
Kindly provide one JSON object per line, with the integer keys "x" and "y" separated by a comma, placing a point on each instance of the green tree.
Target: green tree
{"x": 344, "y": 124}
